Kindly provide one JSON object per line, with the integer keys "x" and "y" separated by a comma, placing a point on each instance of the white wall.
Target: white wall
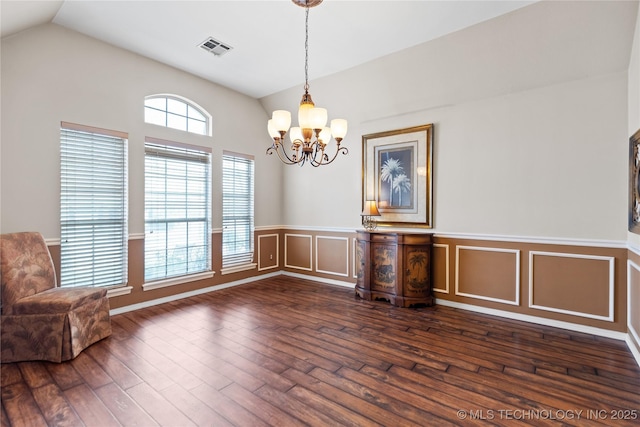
{"x": 50, "y": 74}
{"x": 511, "y": 158}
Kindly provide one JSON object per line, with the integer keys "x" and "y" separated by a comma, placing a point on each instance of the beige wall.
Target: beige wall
{"x": 634, "y": 239}
{"x": 521, "y": 165}
{"x": 50, "y": 74}
{"x": 510, "y": 159}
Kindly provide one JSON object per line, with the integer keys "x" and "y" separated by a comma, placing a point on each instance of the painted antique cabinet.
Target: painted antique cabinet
{"x": 395, "y": 267}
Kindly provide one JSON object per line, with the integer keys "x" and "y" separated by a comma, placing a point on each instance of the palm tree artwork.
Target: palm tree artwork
{"x": 394, "y": 178}
{"x": 390, "y": 169}
{"x": 415, "y": 278}
{"x": 401, "y": 184}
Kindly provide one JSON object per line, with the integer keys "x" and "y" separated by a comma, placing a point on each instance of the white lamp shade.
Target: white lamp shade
{"x": 273, "y": 132}
{"x": 281, "y": 120}
{"x": 318, "y": 118}
{"x": 325, "y": 135}
{"x": 339, "y": 128}
{"x": 304, "y": 116}
{"x": 296, "y": 134}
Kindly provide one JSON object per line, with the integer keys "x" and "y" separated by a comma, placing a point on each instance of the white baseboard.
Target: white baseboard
{"x": 633, "y": 348}
{"x": 535, "y": 319}
{"x": 319, "y": 279}
{"x": 176, "y": 297}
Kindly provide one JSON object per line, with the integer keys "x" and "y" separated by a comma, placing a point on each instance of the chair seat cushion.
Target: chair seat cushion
{"x": 58, "y": 300}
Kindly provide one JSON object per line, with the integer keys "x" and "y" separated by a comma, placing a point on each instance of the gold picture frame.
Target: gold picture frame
{"x": 397, "y": 172}
{"x": 634, "y": 183}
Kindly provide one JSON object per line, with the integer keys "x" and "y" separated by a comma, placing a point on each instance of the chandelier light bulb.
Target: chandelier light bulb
{"x": 281, "y": 120}
{"x": 318, "y": 118}
{"x": 295, "y": 134}
{"x": 273, "y": 132}
{"x": 339, "y": 129}
{"x": 304, "y": 116}
{"x": 325, "y": 135}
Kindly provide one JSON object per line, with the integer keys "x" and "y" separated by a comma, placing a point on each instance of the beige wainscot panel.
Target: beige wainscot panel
{"x": 576, "y": 284}
{"x": 633, "y": 300}
{"x": 297, "y": 251}
{"x": 268, "y": 251}
{"x": 332, "y": 255}
{"x": 490, "y": 274}
{"x": 440, "y": 273}
{"x": 354, "y": 257}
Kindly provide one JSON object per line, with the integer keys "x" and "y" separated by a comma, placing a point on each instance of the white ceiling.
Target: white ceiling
{"x": 267, "y": 36}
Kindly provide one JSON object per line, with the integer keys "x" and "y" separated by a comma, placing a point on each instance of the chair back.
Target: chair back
{"x": 26, "y": 268}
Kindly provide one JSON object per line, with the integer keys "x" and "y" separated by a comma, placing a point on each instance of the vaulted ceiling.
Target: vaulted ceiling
{"x": 267, "y": 37}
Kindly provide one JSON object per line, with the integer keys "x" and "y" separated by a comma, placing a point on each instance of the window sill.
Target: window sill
{"x": 238, "y": 268}
{"x": 116, "y": 292}
{"x": 177, "y": 280}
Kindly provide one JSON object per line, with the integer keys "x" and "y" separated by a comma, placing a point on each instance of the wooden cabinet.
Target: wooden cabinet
{"x": 395, "y": 267}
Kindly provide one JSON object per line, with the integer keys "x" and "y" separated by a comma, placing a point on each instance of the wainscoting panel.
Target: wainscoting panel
{"x": 576, "y": 284}
{"x": 490, "y": 274}
{"x": 440, "y": 274}
{"x": 268, "y": 251}
{"x": 297, "y": 251}
{"x": 519, "y": 276}
{"x": 633, "y": 302}
{"x": 332, "y": 255}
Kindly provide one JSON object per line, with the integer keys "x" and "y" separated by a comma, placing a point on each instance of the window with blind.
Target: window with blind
{"x": 93, "y": 206}
{"x": 237, "y": 210}
{"x": 177, "y": 210}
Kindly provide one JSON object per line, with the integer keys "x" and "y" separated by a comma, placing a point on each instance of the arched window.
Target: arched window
{"x": 175, "y": 112}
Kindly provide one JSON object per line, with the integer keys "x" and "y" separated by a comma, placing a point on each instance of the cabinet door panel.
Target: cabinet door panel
{"x": 361, "y": 247}
{"x": 417, "y": 275}
{"x": 383, "y": 273}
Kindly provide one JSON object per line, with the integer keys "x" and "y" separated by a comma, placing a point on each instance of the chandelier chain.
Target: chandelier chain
{"x": 306, "y": 50}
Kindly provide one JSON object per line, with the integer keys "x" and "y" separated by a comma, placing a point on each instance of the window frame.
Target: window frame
{"x": 94, "y": 206}
{"x": 238, "y": 261}
{"x": 173, "y": 150}
{"x": 167, "y": 113}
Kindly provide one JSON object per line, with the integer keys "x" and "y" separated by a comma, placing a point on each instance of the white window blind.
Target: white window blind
{"x": 93, "y": 206}
{"x": 237, "y": 209}
{"x": 177, "y": 210}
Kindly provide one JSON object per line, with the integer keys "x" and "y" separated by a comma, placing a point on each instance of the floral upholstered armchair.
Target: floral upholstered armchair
{"x": 40, "y": 321}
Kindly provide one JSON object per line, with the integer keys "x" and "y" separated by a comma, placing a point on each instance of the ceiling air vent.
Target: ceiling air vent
{"x": 214, "y": 46}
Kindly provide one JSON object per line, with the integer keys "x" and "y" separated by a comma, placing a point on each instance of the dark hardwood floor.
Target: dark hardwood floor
{"x": 290, "y": 352}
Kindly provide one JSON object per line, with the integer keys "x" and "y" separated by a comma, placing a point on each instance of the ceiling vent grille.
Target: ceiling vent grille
{"x": 214, "y": 46}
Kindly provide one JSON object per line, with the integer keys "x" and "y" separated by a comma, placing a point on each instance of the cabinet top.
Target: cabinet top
{"x": 394, "y": 236}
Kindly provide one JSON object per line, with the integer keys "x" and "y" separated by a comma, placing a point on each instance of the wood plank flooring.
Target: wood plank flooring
{"x": 290, "y": 352}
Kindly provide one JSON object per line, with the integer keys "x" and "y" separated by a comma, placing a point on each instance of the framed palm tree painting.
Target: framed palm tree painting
{"x": 397, "y": 174}
{"x": 634, "y": 183}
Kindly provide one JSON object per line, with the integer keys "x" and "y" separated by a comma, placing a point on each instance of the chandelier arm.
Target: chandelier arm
{"x": 286, "y": 159}
{"x": 342, "y": 150}
{"x": 313, "y": 159}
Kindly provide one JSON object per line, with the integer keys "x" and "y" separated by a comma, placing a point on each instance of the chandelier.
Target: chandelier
{"x": 310, "y": 138}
